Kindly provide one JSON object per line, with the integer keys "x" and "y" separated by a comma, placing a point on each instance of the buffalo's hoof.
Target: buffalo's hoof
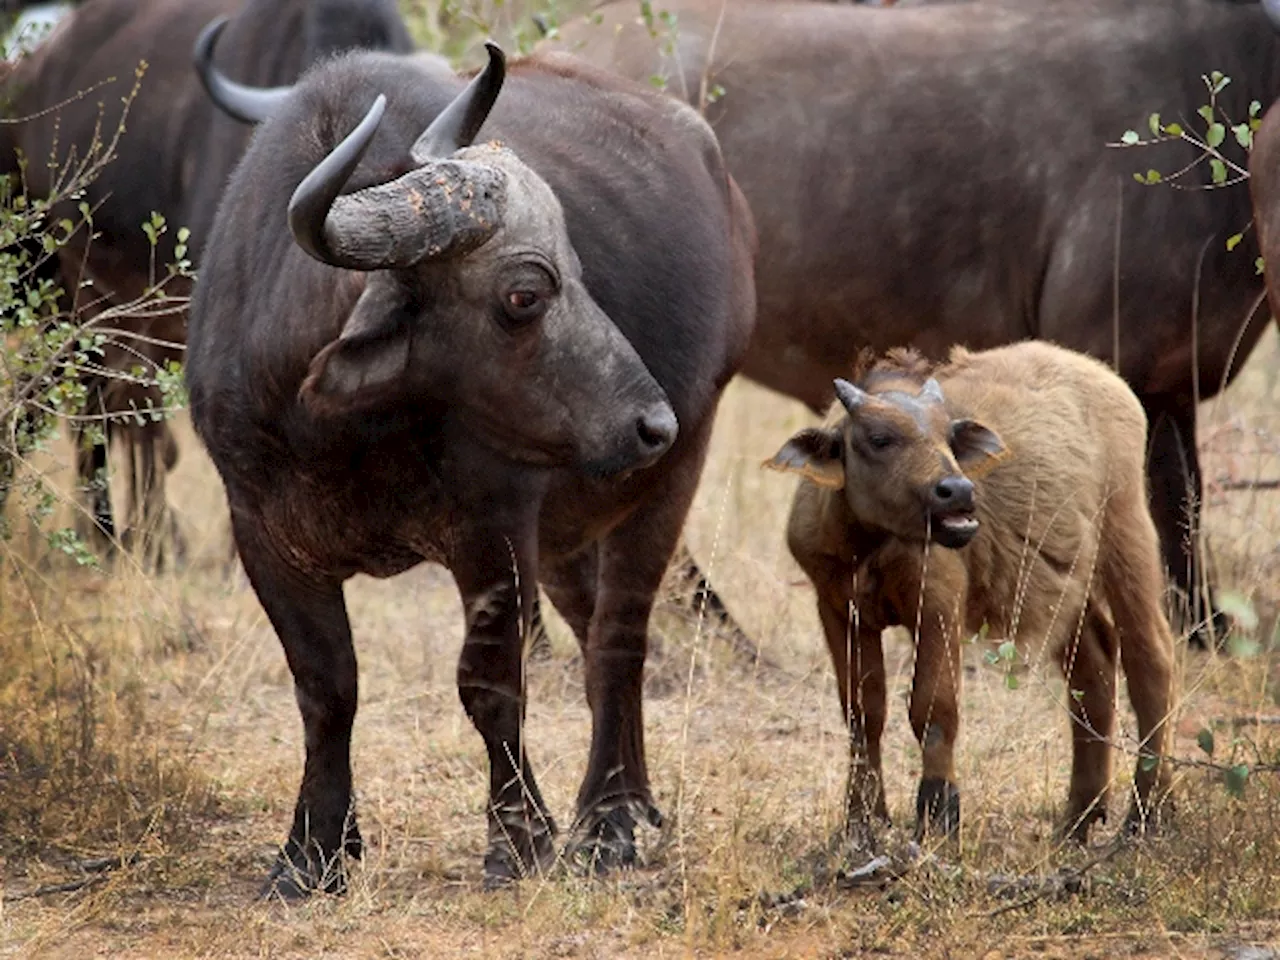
{"x": 937, "y": 808}
{"x": 606, "y": 837}
{"x": 518, "y": 848}
{"x": 292, "y": 881}
{"x": 302, "y": 869}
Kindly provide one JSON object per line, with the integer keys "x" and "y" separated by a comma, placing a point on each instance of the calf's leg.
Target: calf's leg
{"x": 935, "y": 720}
{"x": 1089, "y": 665}
{"x": 310, "y": 617}
{"x": 1130, "y": 570}
{"x": 857, "y": 656}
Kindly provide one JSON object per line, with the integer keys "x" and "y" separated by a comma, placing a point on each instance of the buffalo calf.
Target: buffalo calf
{"x": 1004, "y": 489}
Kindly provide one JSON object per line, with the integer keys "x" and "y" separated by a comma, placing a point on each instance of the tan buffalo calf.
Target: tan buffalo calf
{"x": 1004, "y": 488}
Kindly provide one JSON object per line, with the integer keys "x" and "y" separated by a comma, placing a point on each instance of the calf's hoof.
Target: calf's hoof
{"x": 606, "y": 836}
{"x": 1148, "y": 820}
{"x": 518, "y": 850}
{"x": 1075, "y": 828}
{"x": 937, "y": 808}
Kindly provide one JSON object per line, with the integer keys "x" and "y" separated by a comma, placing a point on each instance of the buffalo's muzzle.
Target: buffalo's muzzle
{"x": 952, "y": 519}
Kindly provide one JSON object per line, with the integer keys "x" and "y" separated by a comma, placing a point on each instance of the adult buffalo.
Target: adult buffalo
{"x": 473, "y": 357}
{"x": 1264, "y": 183}
{"x": 173, "y": 159}
{"x": 940, "y": 175}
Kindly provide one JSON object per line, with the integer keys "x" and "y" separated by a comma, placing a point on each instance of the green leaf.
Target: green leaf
{"x": 1259, "y": 265}
{"x": 991, "y": 658}
{"x": 183, "y": 234}
{"x": 1153, "y": 122}
{"x": 1255, "y": 108}
{"x": 1154, "y": 176}
{"x": 1148, "y": 763}
{"x": 1235, "y": 778}
{"x": 1239, "y": 607}
{"x": 1233, "y": 241}
{"x": 1007, "y": 650}
{"x": 1215, "y": 134}
{"x": 1174, "y": 129}
{"x": 1077, "y": 695}
{"x": 1206, "y": 113}
{"x": 1219, "y": 170}
{"x": 1244, "y": 648}
{"x": 1219, "y": 82}
{"x": 1244, "y": 135}
{"x": 658, "y": 81}
{"x": 1011, "y": 681}
{"x": 1204, "y": 740}
{"x": 1130, "y": 137}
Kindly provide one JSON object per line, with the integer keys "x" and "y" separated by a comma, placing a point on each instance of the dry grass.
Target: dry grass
{"x": 154, "y": 717}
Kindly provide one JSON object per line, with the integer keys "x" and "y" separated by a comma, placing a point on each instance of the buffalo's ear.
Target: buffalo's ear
{"x": 977, "y": 447}
{"x": 817, "y": 455}
{"x": 368, "y": 359}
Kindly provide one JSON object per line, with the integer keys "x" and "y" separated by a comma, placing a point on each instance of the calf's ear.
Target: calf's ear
{"x": 977, "y": 447}
{"x": 817, "y": 455}
{"x": 368, "y": 360}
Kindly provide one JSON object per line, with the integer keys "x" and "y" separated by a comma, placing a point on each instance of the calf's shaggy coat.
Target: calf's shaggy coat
{"x": 1006, "y": 489}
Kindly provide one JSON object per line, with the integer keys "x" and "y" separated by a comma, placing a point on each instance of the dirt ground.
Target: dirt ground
{"x": 168, "y": 701}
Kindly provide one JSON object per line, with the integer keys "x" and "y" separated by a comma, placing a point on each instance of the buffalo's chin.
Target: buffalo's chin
{"x": 953, "y": 530}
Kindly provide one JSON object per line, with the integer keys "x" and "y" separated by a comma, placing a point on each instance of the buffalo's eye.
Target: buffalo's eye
{"x": 880, "y": 441}
{"x": 521, "y": 307}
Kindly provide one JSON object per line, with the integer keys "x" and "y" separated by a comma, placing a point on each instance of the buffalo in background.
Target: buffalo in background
{"x": 941, "y": 175}
{"x": 174, "y": 159}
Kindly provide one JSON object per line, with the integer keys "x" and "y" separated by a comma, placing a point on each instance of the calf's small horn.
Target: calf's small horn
{"x": 246, "y": 104}
{"x": 458, "y": 124}
{"x": 850, "y": 397}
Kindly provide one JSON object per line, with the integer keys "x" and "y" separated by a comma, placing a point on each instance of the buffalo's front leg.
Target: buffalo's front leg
{"x": 491, "y": 686}
{"x": 632, "y": 560}
{"x": 310, "y": 617}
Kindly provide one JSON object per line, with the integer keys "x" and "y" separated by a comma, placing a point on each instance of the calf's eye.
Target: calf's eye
{"x": 880, "y": 441}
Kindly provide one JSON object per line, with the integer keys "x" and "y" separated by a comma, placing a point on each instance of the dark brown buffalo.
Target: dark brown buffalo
{"x": 174, "y": 158}
{"x": 473, "y": 358}
{"x": 940, "y": 175}
{"x": 1264, "y": 182}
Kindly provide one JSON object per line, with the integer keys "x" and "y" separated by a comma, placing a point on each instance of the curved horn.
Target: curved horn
{"x": 459, "y": 122}
{"x": 1272, "y": 10}
{"x": 311, "y": 200}
{"x": 246, "y": 104}
{"x": 850, "y": 397}
{"x": 445, "y": 208}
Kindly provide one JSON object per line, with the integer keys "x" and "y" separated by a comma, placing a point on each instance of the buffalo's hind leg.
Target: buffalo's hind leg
{"x": 491, "y": 687}
{"x": 1173, "y": 465}
{"x": 310, "y": 617}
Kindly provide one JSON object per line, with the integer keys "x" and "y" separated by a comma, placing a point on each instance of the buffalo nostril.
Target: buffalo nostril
{"x": 954, "y": 491}
{"x": 657, "y": 429}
